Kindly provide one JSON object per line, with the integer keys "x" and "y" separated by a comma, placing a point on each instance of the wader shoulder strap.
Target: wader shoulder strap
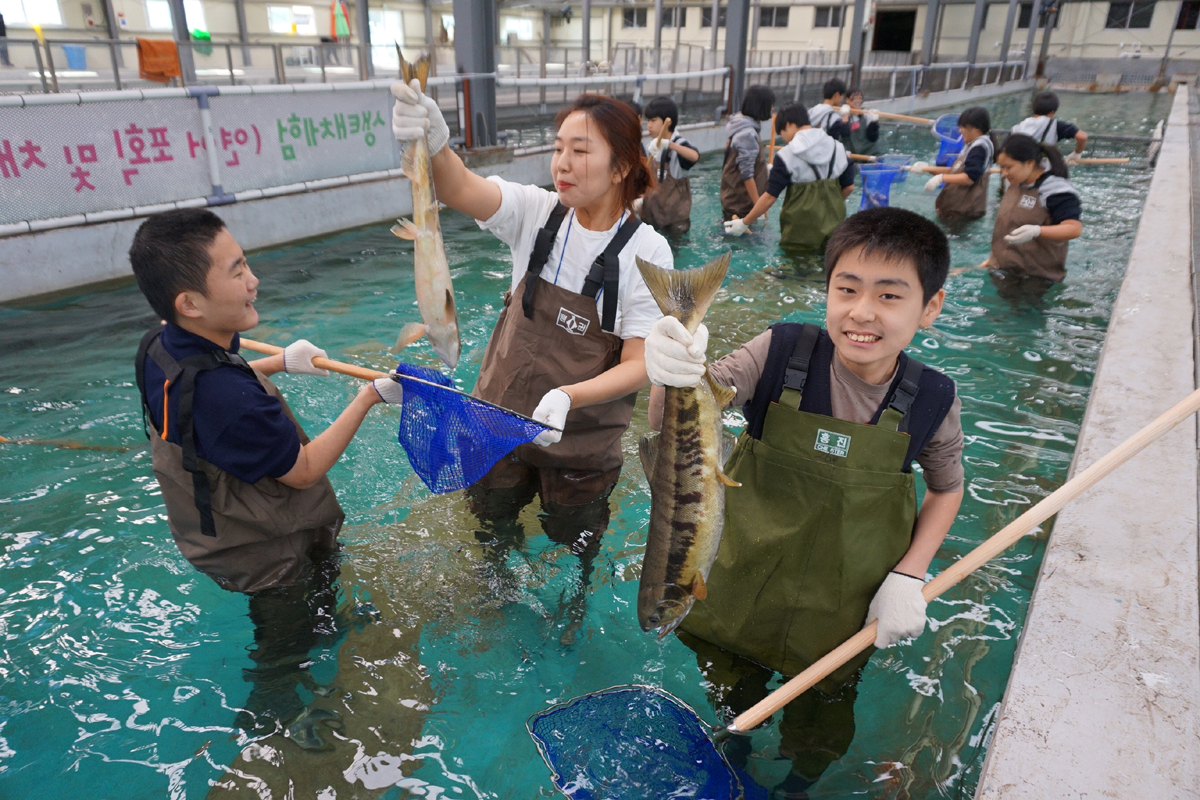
{"x": 542, "y": 246}
{"x": 183, "y": 374}
{"x": 795, "y": 376}
{"x": 1045, "y": 130}
{"x": 903, "y": 394}
{"x": 139, "y": 371}
{"x": 663, "y": 161}
{"x": 606, "y": 273}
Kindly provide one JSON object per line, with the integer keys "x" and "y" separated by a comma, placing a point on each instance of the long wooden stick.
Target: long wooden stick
{"x": 889, "y": 115}
{"x": 857, "y": 157}
{"x": 322, "y": 363}
{"x": 67, "y": 445}
{"x": 997, "y": 544}
{"x": 1084, "y": 161}
{"x": 771, "y": 157}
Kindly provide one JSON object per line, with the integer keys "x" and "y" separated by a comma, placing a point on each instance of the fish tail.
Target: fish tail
{"x": 685, "y": 294}
{"x": 419, "y": 70}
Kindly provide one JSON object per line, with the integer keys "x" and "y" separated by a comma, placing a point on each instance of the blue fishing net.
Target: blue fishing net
{"x": 451, "y": 439}
{"x": 634, "y": 743}
{"x": 877, "y": 180}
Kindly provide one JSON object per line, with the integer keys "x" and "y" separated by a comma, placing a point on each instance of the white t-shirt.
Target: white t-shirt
{"x": 524, "y": 210}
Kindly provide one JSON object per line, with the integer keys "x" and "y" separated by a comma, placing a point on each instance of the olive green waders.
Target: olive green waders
{"x": 811, "y": 211}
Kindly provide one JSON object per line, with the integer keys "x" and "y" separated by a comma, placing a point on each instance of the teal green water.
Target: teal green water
{"x": 121, "y": 669}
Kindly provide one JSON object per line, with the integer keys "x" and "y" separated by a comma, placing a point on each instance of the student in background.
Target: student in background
{"x": 1045, "y": 129}
{"x": 744, "y": 175}
{"x": 832, "y": 113}
{"x": 669, "y": 207}
{"x": 818, "y": 176}
{"x": 964, "y": 184}
{"x": 863, "y": 138}
{"x": 1038, "y": 215}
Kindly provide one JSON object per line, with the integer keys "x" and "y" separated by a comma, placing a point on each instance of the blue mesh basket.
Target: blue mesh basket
{"x": 945, "y": 128}
{"x": 896, "y": 160}
{"x": 877, "y": 184}
{"x": 634, "y": 743}
{"x": 451, "y": 438}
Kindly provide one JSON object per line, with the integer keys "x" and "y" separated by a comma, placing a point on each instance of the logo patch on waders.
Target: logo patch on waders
{"x": 572, "y": 323}
{"x": 1027, "y": 201}
{"x": 835, "y": 444}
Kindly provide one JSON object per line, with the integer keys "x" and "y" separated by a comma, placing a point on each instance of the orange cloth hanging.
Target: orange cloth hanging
{"x": 158, "y": 60}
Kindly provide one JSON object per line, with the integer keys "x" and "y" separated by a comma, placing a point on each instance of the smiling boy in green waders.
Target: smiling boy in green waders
{"x": 824, "y": 533}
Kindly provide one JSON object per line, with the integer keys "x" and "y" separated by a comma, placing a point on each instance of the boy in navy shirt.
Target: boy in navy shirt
{"x": 1045, "y": 129}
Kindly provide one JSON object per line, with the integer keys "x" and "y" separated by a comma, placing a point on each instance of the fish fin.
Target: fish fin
{"x": 419, "y": 70}
{"x": 723, "y": 394}
{"x": 405, "y": 229}
{"x": 727, "y": 444}
{"x": 648, "y": 451}
{"x": 409, "y": 334}
{"x": 450, "y": 312}
{"x": 408, "y": 163}
{"x": 685, "y": 293}
{"x": 699, "y": 588}
{"x": 725, "y": 479}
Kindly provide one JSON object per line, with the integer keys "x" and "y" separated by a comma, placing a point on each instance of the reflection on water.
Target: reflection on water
{"x": 121, "y": 667}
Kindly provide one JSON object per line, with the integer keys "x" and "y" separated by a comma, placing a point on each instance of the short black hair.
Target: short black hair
{"x": 663, "y": 108}
{"x": 833, "y": 86}
{"x": 893, "y": 234}
{"x": 793, "y": 113}
{"x": 977, "y": 118}
{"x": 758, "y": 102}
{"x": 169, "y": 255}
{"x": 1045, "y": 103}
{"x": 635, "y": 105}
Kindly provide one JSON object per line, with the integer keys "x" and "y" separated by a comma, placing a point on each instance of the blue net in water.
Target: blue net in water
{"x": 452, "y": 439}
{"x": 945, "y": 128}
{"x": 634, "y": 743}
{"x": 899, "y": 161}
{"x": 877, "y": 184}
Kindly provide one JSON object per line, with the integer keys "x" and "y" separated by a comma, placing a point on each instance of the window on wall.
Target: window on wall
{"x": 1130, "y": 15}
{"x": 828, "y": 17}
{"x": 31, "y": 12}
{"x": 521, "y": 27}
{"x": 633, "y": 18}
{"x": 158, "y": 15}
{"x": 773, "y": 16}
{"x": 1189, "y": 15}
{"x": 300, "y": 20}
{"x": 1027, "y": 11}
{"x": 670, "y": 15}
{"x": 706, "y": 17}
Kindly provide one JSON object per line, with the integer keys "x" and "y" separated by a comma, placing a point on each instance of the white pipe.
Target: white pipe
{"x": 608, "y": 79}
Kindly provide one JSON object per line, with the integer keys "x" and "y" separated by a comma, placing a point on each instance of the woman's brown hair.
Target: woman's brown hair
{"x": 622, "y": 129}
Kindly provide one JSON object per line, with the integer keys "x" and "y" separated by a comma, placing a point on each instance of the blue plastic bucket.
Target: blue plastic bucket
{"x": 898, "y": 161}
{"x": 877, "y": 180}
{"x": 76, "y": 56}
{"x": 945, "y": 128}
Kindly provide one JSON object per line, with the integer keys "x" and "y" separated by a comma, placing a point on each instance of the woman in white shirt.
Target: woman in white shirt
{"x": 568, "y": 348}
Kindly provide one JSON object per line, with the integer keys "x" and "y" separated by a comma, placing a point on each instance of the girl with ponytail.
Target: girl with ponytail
{"x": 1039, "y": 213}
{"x": 568, "y": 348}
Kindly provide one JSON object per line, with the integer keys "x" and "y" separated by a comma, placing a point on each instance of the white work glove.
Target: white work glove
{"x": 1073, "y": 159}
{"x": 844, "y": 110}
{"x": 654, "y": 151}
{"x": 414, "y": 114}
{"x": 933, "y": 184}
{"x": 675, "y": 357}
{"x": 872, "y": 117}
{"x": 552, "y": 411}
{"x": 298, "y": 356}
{"x": 918, "y": 166}
{"x": 900, "y": 608}
{"x": 390, "y": 391}
{"x": 735, "y": 227}
{"x": 1023, "y": 234}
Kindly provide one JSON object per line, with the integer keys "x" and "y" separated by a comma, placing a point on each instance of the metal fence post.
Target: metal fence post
{"x": 37, "y": 52}
{"x": 280, "y": 74}
{"x": 219, "y": 197}
{"x": 229, "y": 61}
{"x": 321, "y": 61}
{"x": 892, "y": 92}
{"x": 50, "y": 64}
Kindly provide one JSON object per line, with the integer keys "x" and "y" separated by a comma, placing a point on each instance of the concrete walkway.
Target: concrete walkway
{"x": 1104, "y": 695}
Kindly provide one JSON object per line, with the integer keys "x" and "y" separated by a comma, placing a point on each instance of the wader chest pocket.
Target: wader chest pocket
{"x": 832, "y": 443}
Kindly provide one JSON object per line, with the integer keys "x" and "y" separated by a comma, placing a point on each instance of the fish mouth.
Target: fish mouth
{"x": 669, "y": 609}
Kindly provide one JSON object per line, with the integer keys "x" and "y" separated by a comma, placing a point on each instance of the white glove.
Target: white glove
{"x": 735, "y": 227}
{"x": 933, "y": 184}
{"x": 390, "y": 391}
{"x": 872, "y": 117}
{"x": 844, "y": 110}
{"x": 414, "y": 114}
{"x": 675, "y": 357}
{"x": 918, "y": 166}
{"x": 552, "y": 411}
{"x": 900, "y": 608}
{"x": 1073, "y": 159}
{"x": 298, "y": 356}
{"x": 655, "y": 151}
{"x": 1023, "y": 234}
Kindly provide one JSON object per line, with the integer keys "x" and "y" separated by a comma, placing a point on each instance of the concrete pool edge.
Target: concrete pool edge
{"x": 1104, "y": 693}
